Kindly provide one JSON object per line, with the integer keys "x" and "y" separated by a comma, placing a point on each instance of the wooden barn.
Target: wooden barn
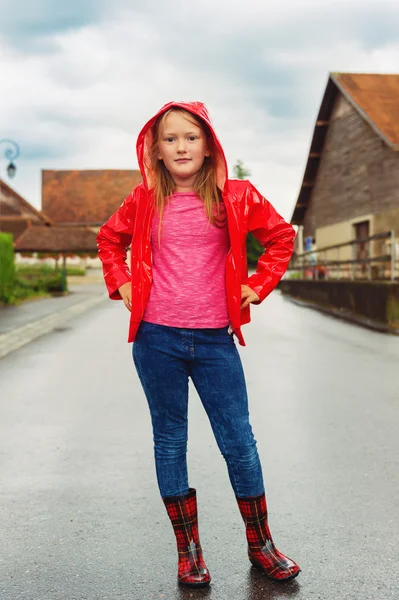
{"x": 350, "y": 187}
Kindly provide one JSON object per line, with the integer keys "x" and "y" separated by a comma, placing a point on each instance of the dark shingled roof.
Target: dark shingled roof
{"x": 15, "y": 226}
{"x": 57, "y": 239}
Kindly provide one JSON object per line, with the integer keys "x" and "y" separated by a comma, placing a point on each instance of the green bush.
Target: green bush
{"x": 76, "y": 271}
{"x": 48, "y": 269}
{"x": 7, "y": 268}
{"x": 24, "y": 292}
{"x": 40, "y": 281}
{"x": 34, "y": 270}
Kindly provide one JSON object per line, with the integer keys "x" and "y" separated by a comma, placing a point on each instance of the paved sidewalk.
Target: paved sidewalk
{"x": 21, "y": 324}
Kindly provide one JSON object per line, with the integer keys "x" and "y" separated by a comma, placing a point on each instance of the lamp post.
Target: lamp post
{"x": 11, "y": 153}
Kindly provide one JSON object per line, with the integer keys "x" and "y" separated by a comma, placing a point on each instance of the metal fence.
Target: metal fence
{"x": 372, "y": 258}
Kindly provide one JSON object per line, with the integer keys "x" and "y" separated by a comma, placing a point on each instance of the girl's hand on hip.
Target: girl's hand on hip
{"x": 247, "y": 296}
{"x": 126, "y": 292}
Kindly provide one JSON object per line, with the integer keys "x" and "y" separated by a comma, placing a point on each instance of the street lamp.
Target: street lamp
{"x": 11, "y": 170}
{"x": 11, "y": 153}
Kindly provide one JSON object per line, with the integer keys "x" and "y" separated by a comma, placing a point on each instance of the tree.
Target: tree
{"x": 240, "y": 171}
{"x": 254, "y": 249}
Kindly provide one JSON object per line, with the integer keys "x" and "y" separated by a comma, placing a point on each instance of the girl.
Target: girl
{"x": 188, "y": 293}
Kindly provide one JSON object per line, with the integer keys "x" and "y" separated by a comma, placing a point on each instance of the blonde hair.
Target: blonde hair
{"x": 205, "y": 182}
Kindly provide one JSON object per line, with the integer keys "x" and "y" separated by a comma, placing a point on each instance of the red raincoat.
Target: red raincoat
{"x": 247, "y": 210}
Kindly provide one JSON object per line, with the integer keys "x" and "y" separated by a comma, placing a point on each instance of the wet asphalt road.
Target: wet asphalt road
{"x": 81, "y": 517}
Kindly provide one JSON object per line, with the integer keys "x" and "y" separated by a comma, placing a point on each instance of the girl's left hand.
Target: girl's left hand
{"x": 247, "y": 296}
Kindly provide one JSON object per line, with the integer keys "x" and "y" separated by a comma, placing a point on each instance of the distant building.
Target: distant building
{"x": 350, "y": 188}
{"x": 85, "y": 198}
{"x": 62, "y": 240}
{"x": 16, "y": 214}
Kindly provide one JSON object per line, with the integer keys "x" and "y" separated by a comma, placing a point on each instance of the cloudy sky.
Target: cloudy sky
{"x": 80, "y": 78}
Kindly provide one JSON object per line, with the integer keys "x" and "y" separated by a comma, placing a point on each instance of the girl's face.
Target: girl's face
{"x": 182, "y": 146}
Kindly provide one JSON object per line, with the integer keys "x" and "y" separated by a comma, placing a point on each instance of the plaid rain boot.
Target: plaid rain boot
{"x": 261, "y": 550}
{"x": 182, "y": 511}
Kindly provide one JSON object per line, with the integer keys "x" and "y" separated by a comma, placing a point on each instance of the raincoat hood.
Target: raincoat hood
{"x": 146, "y": 138}
{"x": 246, "y": 210}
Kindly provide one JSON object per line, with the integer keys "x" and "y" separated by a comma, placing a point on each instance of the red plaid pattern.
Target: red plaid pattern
{"x": 182, "y": 511}
{"x": 261, "y": 549}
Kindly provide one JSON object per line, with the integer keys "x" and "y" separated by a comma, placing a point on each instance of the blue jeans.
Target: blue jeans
{"x": 165, "y": 358}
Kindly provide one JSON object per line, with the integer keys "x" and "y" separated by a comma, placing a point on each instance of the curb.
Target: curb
{"x": 344, "y": 315}
{"x": 21, "y": 336}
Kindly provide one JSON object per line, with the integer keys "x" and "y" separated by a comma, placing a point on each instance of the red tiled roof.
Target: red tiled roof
{"x": 376, "y": 97}
{"x": 57, "y": 239}
{"x": 85, "y": 197}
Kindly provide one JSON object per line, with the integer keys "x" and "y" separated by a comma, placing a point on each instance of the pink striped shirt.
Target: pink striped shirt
{"x": 188, "y": 287}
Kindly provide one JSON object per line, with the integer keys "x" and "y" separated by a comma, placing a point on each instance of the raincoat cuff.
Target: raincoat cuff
{"x": 261, "y": 289}
{"x": 114, "y": 280}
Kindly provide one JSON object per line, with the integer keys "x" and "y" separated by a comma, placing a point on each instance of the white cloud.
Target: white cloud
{"x": 80, "y": 99}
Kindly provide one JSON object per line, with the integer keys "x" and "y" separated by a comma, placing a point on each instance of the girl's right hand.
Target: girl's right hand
{"x": 126, "y": 292}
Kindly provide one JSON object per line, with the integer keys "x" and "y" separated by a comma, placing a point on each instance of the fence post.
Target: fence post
{"x": 325, "y": 265}
{"x": 392, "y": 255}
{"x": 353, "y": 266}
{"x": 369, "y": 263}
